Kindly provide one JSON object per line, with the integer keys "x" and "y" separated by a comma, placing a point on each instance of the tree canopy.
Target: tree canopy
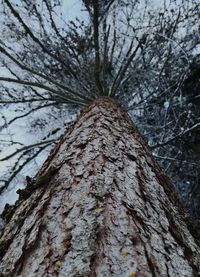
{"x": 143, "y": 52}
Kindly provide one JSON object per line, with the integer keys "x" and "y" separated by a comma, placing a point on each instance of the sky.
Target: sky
{"x": 70, "y": 10}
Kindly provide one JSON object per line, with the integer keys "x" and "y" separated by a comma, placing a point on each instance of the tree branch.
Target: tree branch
{"x": 27, "y": 147}
{"x": 34, "y": 38}
{"x": 96, "y": 45}
{"x": 175, "y": 137}
{"x": 24, "y": 67}
{"x": 34, "y": 84}
{"x": 21, "y": 166}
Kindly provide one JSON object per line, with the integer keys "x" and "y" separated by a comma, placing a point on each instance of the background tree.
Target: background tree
{"x": 131, "y": 50}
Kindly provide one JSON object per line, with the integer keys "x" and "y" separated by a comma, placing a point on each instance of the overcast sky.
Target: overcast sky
{"x": 70, "y": 10}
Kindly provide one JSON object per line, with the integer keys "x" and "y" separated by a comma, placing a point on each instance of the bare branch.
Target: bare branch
{"x": 67, "y": 98}
{"x": 25, "y": 114}
{"x": 21, "y": 166}
{"x": 24, "y": 67}
{"x": 195, "y": 126}
{"x": 121, "y": 73}
{"x": 43, "y": 47}
{"x": 96, "y": 45}
{"x": 27, "y": 147}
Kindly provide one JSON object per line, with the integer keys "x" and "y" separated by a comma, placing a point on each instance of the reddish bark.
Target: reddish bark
{"x": 99, "y": 206}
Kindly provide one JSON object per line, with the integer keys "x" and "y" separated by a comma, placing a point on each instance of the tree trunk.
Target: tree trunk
{"x": 99, "y": 206}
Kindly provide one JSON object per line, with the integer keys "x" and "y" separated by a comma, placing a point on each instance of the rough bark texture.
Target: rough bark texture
{"x": 99, "y": 207}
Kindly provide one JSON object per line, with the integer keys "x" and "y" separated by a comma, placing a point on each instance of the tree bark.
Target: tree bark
{"x": 99, "y": 206}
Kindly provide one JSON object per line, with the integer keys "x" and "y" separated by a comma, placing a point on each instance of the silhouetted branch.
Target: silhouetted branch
{"x": 179, "y": 135}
